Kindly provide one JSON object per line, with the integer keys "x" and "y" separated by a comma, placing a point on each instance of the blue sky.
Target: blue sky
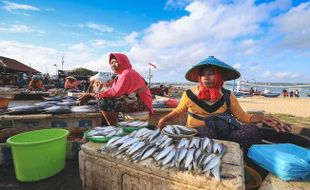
{"x": 267, "y": 41}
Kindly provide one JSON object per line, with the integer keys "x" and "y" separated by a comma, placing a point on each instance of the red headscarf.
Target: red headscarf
{"x": 211, "y": 94}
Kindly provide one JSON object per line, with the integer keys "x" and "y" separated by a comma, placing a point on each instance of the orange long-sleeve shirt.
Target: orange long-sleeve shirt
{"x": 186, "y": 104}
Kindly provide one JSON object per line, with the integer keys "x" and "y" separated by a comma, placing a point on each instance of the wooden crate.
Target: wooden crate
{"x": 101, "y": 171}
{"x": 161, "y": 112}
{"x": 272, "y": 182}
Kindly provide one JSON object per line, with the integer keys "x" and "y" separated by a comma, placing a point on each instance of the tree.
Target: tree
{"x": 82, "y": 72}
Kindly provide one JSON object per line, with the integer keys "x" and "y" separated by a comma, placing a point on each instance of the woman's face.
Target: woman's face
{"x": 97, "y": 83}
{"x": 207, "y": 77}
{"x": 115, "y": 66}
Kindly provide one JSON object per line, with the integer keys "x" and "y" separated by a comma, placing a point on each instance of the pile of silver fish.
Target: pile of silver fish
{"x": 107, "y": 131}
{"x": 179, "y": 131}
{"x": 84, "y": 108}
{"x": 55, "y": 105}
{"x": 199, "y": 155}
{"x": 133, "y": 124}
{"x": 57, "y": 109}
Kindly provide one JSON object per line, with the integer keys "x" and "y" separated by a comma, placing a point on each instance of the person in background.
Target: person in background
{"x": 99, "y": 83}
{"x": 297, "y": 93}
{"x": 21, "y": 82}
{"x": 284, "y": 93}
{"x": 210, "y": 98}
{"x": 291, "y": 93}
{"x": 36, "y": 84}
{"x": 128, "y": 93}
{"x": 71, "y": 83}
{"x": 1, "y": 79}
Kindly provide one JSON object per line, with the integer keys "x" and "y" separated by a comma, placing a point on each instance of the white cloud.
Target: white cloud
{"x": 132, "y": 38}
{"x": 17, "y": 29}
{"x": 280, "y": 75}
{"x": 267, "y": 74}
{"x": 216, "y": 25}
{"x": 176, "y": 4}
{"x": 78, "y": 47}
{"x": 237, "y": 66}
{"x": 208, "y": 29}
{"x": 98, "y": 42}
{"x": 99, "y": 27}
{"x": 15, "y": 7}
{"x": 234, "y": 32}
{"x": 43, "y": 58}
{"x": 295, "y": 75}
{"x": 255, "y": 67}
{"x": 294, "y": 27}
{"x": 40, "y": 58}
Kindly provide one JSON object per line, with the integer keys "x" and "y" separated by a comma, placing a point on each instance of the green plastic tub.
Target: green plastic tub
{"x": 38, "y": 154}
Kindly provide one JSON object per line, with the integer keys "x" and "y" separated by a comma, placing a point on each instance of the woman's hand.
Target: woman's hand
{"x": 276, "y": 124}
{"x": 170, "y": 116}
{"x": 84, "y": 98}
{"x": 161, "y": 124}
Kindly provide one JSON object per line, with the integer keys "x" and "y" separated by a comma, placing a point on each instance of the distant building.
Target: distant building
{"x": 8, "y": 65}
{"x": 15, "y": 73}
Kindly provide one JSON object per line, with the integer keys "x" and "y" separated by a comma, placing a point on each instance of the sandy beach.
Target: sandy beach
{"x": 291, "y": 106}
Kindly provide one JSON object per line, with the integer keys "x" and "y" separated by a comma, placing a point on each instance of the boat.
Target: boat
{"x": 239, "y": 94}
{"x": 271, "y": 94}
{"x": 248, "y": 92}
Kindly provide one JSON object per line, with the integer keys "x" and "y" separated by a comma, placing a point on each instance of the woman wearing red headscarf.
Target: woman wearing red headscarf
{"x": 128, "y": 93}
{"x": 209, "y": 98}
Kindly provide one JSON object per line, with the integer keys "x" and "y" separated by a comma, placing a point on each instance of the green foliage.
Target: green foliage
{"x": 82, "y": 72}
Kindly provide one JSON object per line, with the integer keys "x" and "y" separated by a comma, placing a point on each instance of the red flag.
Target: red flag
{"x": 150, "y": 64}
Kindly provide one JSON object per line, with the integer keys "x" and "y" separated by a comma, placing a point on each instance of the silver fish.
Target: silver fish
{"x": 189, "y": 157}
{"x": 169, "y": 157}
{"x": 184, "y": 142}
{"x": 213, "y": 162}
{"x": 164, "y": 152}
{"x": 112, "y": 140}
{"x": 169, "y": 130}
{"x": 130, "y": 147}
{"x": 177, "y": 131}
{"x": 166, "y": 143}
{"x": 197, "y": 155}
{"x": 216, "y": 171}
{"x": 205, "y": 141}
{"x": 207, "y": 159}
{"x": 148, "y": 153}
{"x": 155, "y": 134}
{"x": 194, "y": 142}
{"x": 139, "y": 145}
{"x": 128, "y": 143}
{"x": 161, "y": 140}
{"x": 186, "y": 130}
{"x": 181, "y": 156}
{"x": 209, "y": 146}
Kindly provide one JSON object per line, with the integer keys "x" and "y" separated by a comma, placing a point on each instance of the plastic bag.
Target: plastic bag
{"x": 172, "y": 103}
{"x": 286, "y": 161}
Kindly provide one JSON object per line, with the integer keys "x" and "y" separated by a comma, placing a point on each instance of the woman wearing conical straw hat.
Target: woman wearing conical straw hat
{"x": 215, "y": 111}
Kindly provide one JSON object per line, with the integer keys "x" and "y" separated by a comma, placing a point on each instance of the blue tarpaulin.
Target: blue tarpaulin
{"x": 286, "y": 161}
